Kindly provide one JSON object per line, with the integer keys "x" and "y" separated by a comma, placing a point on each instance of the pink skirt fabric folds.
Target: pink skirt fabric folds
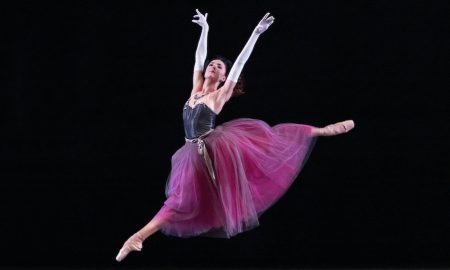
{"x": 254, "y": 164}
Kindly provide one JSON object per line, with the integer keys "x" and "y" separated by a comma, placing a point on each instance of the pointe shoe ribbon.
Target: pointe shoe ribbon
{"x": 134, "y": 243}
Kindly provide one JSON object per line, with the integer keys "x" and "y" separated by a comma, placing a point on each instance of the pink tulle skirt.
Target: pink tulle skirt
{"x": 254, "y": 164}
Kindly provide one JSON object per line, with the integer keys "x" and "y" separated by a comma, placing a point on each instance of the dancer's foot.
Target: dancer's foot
{"x": 134, "y": 243}
{"x": 337, "y": 128}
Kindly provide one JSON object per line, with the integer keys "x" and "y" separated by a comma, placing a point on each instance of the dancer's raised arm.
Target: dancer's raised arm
{"x": 227, "y": 89}
{"x": 202, "y": 49}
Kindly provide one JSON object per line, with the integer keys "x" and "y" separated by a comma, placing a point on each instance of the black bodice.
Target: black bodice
{"x": 197, "y": 120}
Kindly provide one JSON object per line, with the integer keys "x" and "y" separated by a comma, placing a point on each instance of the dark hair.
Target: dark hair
{"x": 238, "y": 89}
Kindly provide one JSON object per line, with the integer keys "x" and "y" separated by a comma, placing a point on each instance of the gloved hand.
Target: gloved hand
{"x": 264, "y": 24}
{"x": 201, "y": 19}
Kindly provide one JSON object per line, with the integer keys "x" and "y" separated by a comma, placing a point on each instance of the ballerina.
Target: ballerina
{"x": 223, "y": 178}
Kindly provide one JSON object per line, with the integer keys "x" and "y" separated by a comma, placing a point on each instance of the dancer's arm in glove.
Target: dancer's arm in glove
{"x": 233, "y": 76}
{"x": 200, "y": 54}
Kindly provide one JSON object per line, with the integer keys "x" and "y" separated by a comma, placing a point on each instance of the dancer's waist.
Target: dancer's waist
{"x": 201, "y": 137}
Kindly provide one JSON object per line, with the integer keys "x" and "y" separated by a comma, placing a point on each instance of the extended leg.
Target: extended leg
{"x": 134, "y": 243}
{"x": 334, "y": 129}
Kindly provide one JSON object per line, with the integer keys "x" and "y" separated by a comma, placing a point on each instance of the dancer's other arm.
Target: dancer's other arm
{"x": 200, "y": 54}
{"x": 227, "y": 89}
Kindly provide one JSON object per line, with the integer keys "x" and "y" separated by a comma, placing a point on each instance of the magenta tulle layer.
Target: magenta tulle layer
{"x": 254, "y": 163}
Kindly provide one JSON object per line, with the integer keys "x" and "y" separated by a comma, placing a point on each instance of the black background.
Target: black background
{"x": 91, "y": 102}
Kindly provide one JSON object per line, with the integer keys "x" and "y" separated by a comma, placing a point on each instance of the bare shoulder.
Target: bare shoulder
{"x": 195, "y": 90}
{"x": 226, "y": 91}
{"x": 216, "y": 101}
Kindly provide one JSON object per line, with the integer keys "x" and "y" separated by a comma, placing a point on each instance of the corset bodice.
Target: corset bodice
{"x": 197, "y": 120}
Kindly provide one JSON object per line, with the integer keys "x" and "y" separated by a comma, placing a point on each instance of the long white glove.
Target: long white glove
{"x": 238, "y": 65}
{"x": 202, "y": 47}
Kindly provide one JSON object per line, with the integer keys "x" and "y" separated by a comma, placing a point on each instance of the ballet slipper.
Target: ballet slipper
{"x": 338, "y": 128}
{"x": 134, "y": 243}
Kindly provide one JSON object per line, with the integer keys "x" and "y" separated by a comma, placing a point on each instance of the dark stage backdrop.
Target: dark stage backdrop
{"x": 90, "y": 115}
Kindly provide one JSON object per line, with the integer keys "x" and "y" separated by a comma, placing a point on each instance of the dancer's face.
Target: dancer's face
{"x": 216, "y": 70}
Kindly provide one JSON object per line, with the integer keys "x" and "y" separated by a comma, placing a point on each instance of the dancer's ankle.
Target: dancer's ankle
{"x": 139, "y": 236}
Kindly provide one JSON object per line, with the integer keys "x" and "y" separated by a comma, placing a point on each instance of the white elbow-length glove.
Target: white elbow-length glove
{"x": 202, "y": 47}
{"x": 238, "y": 65}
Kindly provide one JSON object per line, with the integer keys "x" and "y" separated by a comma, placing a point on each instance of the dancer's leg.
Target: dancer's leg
{"x": 334, "y": 129}
{"x": 134, "y": 243}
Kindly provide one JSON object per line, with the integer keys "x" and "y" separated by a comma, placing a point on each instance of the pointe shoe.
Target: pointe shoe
{"x": 134, "y": 243}
{"x": 338, "y": 128}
